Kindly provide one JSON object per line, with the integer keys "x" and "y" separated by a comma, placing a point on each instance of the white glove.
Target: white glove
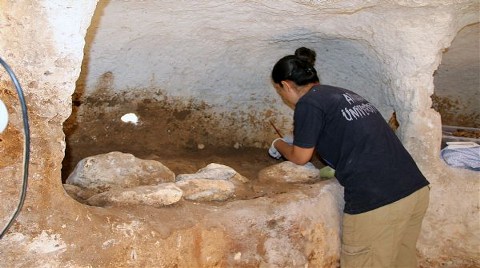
{"x": 273, "y": 152}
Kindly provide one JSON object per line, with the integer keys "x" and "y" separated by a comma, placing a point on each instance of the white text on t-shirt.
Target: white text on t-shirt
{"x": 357, "y": 111}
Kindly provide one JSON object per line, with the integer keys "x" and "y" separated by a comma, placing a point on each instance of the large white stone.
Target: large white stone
{"x": 160, "y": 195}
{"x": 215, "y": 182}
{"x": 118, "y": 170}
{"x": 212, "y": 171}
{"x": 206, "y": 190}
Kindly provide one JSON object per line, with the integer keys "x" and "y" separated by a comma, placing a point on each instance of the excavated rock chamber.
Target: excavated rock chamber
{"x": 457, "y": 83}
{"x": 197, "y": 78}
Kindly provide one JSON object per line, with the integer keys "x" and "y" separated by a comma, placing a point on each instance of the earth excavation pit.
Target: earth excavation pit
{"x": 168, "y": 136}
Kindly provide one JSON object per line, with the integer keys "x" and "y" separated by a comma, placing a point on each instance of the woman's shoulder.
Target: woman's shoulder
{"x": 327, "y": 92}
{"x": 333, "y": 93}
{"x": 321, "y": 96}
{"x": 330, "y": 89}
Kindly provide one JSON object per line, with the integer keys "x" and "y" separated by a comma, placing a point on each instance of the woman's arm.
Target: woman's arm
{"x": 295, "y": 154}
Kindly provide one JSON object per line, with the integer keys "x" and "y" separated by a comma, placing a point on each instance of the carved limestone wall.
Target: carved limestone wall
{"x": 218, "y": 55}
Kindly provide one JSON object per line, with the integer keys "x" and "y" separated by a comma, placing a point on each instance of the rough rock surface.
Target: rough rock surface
{"x": 78, "y": 193}
{"x": 118, "y": 170}
{"x": 160, "y": 195}
{"x": 215, "y": 182}
{"x": 212, "y": 171}
{"x": 206, "y": 190}
{"x": 296, "y": 229}
{"x": 288, "y": 172}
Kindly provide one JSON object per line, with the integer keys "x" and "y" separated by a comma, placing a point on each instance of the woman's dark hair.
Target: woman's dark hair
{"x": 297, "y": 68}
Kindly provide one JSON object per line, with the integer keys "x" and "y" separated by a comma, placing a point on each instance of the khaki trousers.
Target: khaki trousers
{"x": 385, "y": 237}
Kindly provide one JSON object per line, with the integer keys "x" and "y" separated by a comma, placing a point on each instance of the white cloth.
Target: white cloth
{"x": 462, "y": 155}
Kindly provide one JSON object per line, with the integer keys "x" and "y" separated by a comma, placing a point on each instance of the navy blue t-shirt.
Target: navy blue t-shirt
{"x": 350, "y": 134}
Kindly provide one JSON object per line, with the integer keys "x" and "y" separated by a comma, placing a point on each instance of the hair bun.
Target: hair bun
{"x": 306, "y": 54}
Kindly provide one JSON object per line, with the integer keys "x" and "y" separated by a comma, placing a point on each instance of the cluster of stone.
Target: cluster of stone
{"x": 118, "y": 178}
